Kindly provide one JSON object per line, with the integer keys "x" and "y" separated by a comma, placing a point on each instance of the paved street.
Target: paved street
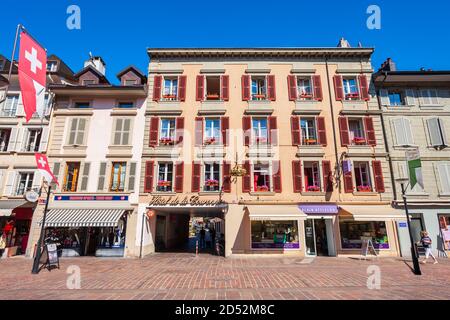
{"x": 182, "y": 276}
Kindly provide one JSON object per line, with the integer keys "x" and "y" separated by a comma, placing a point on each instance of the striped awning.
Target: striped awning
{"x": 78, "y": 218}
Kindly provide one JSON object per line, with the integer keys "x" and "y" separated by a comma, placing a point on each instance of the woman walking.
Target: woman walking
{"x": 426, "y": 243}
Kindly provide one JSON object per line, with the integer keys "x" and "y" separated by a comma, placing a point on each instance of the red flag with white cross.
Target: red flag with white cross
{"x": 32, "y": 75}
{"x": 44, "y": 168}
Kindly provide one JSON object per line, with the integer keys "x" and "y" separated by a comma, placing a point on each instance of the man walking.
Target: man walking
{"x": 202, "y": 237}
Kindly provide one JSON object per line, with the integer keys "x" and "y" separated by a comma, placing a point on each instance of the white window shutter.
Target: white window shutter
{"x": 37, "y": 180}
{"x": 56, "y": 172}
{"x": 444, "y": 177}
{"x": 20, "y": 139}
{"x": 80, "y": 132}
{"x": 410, "y": 99}
{"x": 132, "y": 177}
{"x": 435, "y": 133}
{"x": 399, "y": 132}
{"x": 20, "y": 112}
{"x": 9, "y": 187}
{"x": 434, "y": 97}
{"x": 102, "y": 177}
{"x": 44, "y": 139}
{"x": 85, "y": 176}
{"x": 12, "y": 140}
{"x": 384, "y": 96}
{"x": 408, "y": 132}
{"x": 443, "y": 132}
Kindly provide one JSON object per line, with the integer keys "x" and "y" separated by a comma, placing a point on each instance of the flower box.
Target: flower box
{"x": 262, "y": 189}
{"x": 259, "y": 96}
{"x": 167, "y": 141}
{"x": 310, "y": 141}
{"x": 306, "y": 96}
{"x": 364, "y": 189}
{"x": 212, "y": 97}
{"x": 352, "y": 96}
{"x": 359, "y": 141}
{"x": 212, "y": 183}
{"x": 313, "y": 189}
{"x": 210, "y": 141}
{"x": 170, "y": 97}
{"x": 261, "y": 140}
{"x": 164, "y": 183}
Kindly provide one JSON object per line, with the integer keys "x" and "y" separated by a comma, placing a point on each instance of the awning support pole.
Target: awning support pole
{"x": 37, "y": 259}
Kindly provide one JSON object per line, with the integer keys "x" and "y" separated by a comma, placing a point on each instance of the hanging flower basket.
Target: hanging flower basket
{"x": 167, "y": 141}
{"x": 364, "y": 189}
{"x": 313, "y": 189}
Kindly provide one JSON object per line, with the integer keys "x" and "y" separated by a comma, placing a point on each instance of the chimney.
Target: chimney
{"x": 343, "y": 43}
{"x": 96, "y": 62}
{"x": 388, "y": 65}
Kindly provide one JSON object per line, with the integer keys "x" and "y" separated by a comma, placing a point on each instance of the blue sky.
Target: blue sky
{"x": 414, "y": 33}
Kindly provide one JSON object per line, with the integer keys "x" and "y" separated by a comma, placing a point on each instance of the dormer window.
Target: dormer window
{"x": 82, "y": 105}
{"x": 52, "y": 66}
{"x": 88, "y": 82}
{"x": 132, "y": 82}
{"x": 126, "y": 105}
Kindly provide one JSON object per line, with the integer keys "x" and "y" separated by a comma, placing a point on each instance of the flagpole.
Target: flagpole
{"x": 19, "y": 27}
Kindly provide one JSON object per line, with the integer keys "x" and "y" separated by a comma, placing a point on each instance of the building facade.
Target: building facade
{"x": 285, "y": 145}
{"x": 416, "y": 107}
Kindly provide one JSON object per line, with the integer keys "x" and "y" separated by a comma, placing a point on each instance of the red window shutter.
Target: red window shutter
{"x": 327, "y": 176}
{"x": 296, "y": 133}
{"x": 245, "y": 88}
{"x": 370, "y": 131}
{"x": 157, "y": 88}
{"x": 273, "y": 131}
{"x": 321, "y": 131}
{"x": 338, "y": 88}
{"x": 292, "y": 88}
{"x": 179, "y": 177}
{"x": 225, "y": 127}
{"x": 378, "y": 174}
{"x": 364, "y": 88}
{"x": 246, "y": 127}
{"x": 196, "y": 176}
{"x": 179, "y": 130}
{"x": 182, "y": 88}
{"x": 348, "y": 182}
{"x": 276, "y": 167}
{"x": 148, "y": 183}
{"x": 343, "y": 126}
{"x": 297, "y": 176}
{"x": 200, "y": 93}
{"x": 226, "y": 177}
{"x": 247, "y": 179}
{"x": 154, "y": 131}
{"x": 317, "y": 82}
{"x": 225, "y": 88}
{"x": 198, "y": 131}
{"x": 271, "y": 91}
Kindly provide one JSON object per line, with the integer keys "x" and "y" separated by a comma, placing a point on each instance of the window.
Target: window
{"x": 52, "y": 66}
{"x": 33, "y": 140}
{"x": 89, "y": 82}
{"x": 212, "y": 177}
{"x": 436, "y": 129}
{"x": 259, "y": 90}
{"x": 260, "y": 131}
{"x": 396, "y": 98}
{"x": 82, "y": 105}
{"x": 352, "y": 231}
{"x": 213, "y": 88}
{"x": 118, "y": 176}
{"x": 212, "y": 131}
{"x": 351, "y": 88}
{"x": 122, "y": 132}
{"x": 403, "y": 132}
{"x": 130, "y": 82}
{"x": 309, "y": 131}
{"x": 356, "y": 132}
{"x": 167, "y": 132}
{"x": 312, "y": 176}
{"x": 77, "y": 130}
{"x": 126, "y": 105}
{"x": 304, "y": 88}
{"x": 261, "y": 178}
{"x": 429, "y": 97}
{"x": 71, "y": 177}
{"x": 24, "y": 183}
{"x": 5, "y": 134}
{"x": 275, "y": 235}
{"x": 9, "y": 107}
{"x": 165, "y": 177}
{"x": 362, "y": 177}
{"x": 170, "y": 90}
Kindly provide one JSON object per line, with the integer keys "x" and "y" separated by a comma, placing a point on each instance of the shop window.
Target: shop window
{"x": 165, "y": 177}
{"x": 9, "y": 106}
{"x": 312, "y": 176}
{"x": 212, "y": 177}
{"x": 32, "y": 140}
{"x": 167, "y": 132}
{"x": 24, "y": 183}
{"x": 353, "y": 231}
{"x": 304, "y": 88}
{"x": 356, "y": 132}
{"x": 170, "y": 89}
{"x": 260, "y": 131}
{"x": 212, "y": 131}
{"x": 362, "y": 177}
{"x": 309, "y": 131}
{"x": 261, "y": 178}
{"x": 275, "y": 235}
{"x": 5, "y": 134}
{"x": 259, "y": 88}
{"x": 213, "y": 88}
{"x": 118, "y": 176}
{"x": 71, "y": 177}
{"x": 351, "y": 90}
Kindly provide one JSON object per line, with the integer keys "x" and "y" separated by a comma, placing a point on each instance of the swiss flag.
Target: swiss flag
{"x": 44, "y": 168}
{"x": 32, "y": 75}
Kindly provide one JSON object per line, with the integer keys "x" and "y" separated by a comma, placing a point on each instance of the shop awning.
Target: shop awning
{"x": 275, "y": 213}
{"x": 370, "y": 213}
{"x": 7, "y": 206}
{"x": 77, "y": 218}
{"x": 6, "y": 212}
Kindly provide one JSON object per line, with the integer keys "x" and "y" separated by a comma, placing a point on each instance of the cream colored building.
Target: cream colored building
{"x": 305, "y": 125}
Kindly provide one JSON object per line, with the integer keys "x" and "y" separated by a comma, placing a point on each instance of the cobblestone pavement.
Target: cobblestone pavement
{"x": 182, "y": 276}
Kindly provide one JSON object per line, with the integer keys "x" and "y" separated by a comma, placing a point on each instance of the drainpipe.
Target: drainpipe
{"x": 334, "y": 128}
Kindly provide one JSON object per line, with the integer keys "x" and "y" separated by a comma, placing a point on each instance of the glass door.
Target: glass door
{"x": 310, "y": 238}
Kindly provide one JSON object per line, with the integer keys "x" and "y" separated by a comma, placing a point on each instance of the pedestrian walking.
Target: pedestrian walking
{"x": 426, "y": 243}
{"x": 212, "y": 233}
{"x": 2, "y": 244}
{"x": 202, "y": 237}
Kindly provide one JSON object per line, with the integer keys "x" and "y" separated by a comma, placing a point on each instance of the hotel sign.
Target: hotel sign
{"x": 194, "y": 201}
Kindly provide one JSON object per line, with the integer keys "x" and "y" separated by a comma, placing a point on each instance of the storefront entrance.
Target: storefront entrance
{"x": 319, "y": 238}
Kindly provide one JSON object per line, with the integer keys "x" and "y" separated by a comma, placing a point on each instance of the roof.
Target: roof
{"x": 102, "y": 90}
{"x": 133, "y": 69}
{"x": 101, "y": 77}
{"x": 412, "y": 78}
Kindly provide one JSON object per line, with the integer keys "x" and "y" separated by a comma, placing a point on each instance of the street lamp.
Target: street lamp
{"x": 415, "y": 258}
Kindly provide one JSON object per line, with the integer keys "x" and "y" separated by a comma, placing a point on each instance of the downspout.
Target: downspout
{"x": 330, "y": 96}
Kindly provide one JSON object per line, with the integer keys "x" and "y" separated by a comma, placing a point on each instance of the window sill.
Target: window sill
{"x": 398, "y": 108}
{"x": 444, "y": 195}
{"x": 255, "y": 193}
{"x": 259, "y": 107}
{"x": 431, "y": 107}
{"x": 418, "y": 194}
{"x": 163, "y": 193}
{"x": 124, "y": 111}
{"x": 212, "y": 107}
{"x": 209, "y": 193}
{"x": 313, "y": 194}
{"x": 362, "y": 194}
